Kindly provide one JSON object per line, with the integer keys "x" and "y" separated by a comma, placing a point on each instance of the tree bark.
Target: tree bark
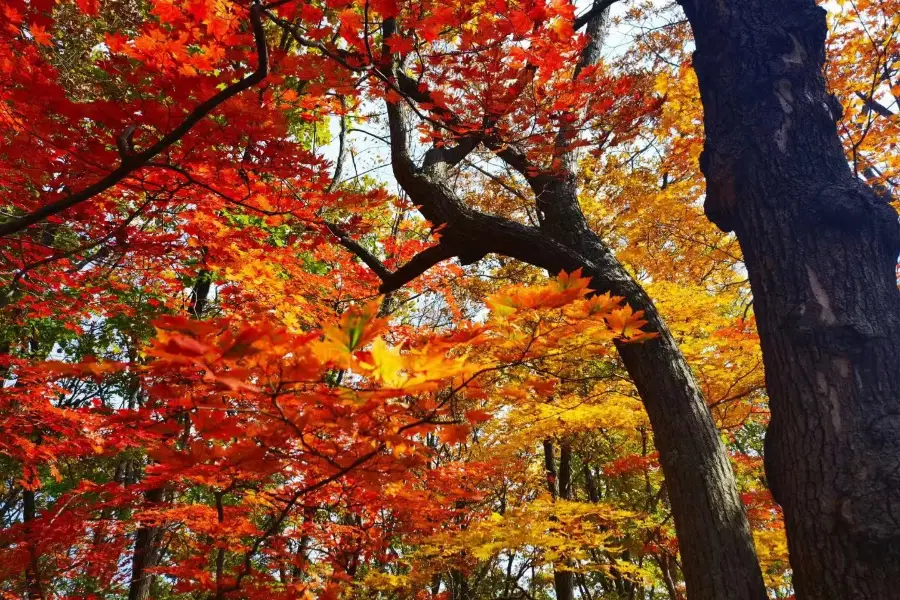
{"x": 550, "y": 469}
{"x": 146, "y": 553}
{"x": 33, "y": 589}
{"x": 821, "y": 251}
{"x": 565, "y": 580}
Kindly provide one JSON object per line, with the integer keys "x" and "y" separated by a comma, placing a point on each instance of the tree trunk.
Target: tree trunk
{"x": 147, "y": 550}
{"x": 565, "y": 580}
{"x": 565, "y": 470}
{"x": 718, "y": 557}
{"x": 591, "y": 484}
{"x": 550, "y": 469}
{"x": 560, "y": 484}
{"x": 146, "y": 553}
{"x": 821, "y": 251}
{"x": 32, "y": 574}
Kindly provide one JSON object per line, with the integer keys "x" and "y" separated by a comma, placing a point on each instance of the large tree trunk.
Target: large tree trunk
{"x": 821, "y": 250}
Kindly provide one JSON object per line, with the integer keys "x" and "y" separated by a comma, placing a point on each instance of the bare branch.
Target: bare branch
{"x": 84, "y": 247}
{"x": 416, "y": 266}
{"x": 451, "y": 156}
{"x": 875, "y": 106}
{"x": 392, "y": 281}
{"x": 125, "y": 143}
{"x": 364, "y": 255}
{"x": 342, "y": 149}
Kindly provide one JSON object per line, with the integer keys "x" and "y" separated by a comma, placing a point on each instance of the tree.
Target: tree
{"x": 821, "y": 250}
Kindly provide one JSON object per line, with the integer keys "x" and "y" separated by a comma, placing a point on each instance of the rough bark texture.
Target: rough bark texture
{"x": 821, "y": 249}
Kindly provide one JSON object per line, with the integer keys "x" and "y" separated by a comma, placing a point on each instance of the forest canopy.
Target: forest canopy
{"x": 448, "y": 300}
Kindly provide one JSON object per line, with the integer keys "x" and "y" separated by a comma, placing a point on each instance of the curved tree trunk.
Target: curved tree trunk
{"x": 718, "y": 557}
{"x": 821, "y": 250}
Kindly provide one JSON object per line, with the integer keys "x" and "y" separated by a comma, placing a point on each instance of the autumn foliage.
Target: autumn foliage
{"x": 211, "y": 389}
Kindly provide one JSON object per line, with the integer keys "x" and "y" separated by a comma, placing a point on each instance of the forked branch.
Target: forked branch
{"x": 392, "y": 281}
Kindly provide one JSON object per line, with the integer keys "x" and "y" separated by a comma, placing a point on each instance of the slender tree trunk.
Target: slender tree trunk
{"x": 147, "y": 539}
{"x": 565, "y": 470}
{"x": 590, "y": 484}
{"x": 33, "y": 588}
{"x": 301, "y": 566}
{"x": 821, "y": 251}
{"x": 550, "y": 469}
{"x": 665, "y": 567}
{"x": 146, "y": 553}
{"x": 565, "y": 580}
{"x": 718, "y": 557}
{"x": 459, "y": 586}
{"x": 559, "y": 483}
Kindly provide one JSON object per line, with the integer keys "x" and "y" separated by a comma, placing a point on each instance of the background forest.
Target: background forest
{"x": 384, "y": 299}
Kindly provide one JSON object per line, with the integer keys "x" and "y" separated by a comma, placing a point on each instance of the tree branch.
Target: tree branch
{"x": 364, "y": 255}
{"x": 451, "y": 156}
{"x": 392, "y": 281}
{"x": 342, "y": 149}
{"x": 135, "y": 160}
{"x": 88, "y": 246}
{"x": 875, "y": 106}
{"x": 417, "y": 266}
